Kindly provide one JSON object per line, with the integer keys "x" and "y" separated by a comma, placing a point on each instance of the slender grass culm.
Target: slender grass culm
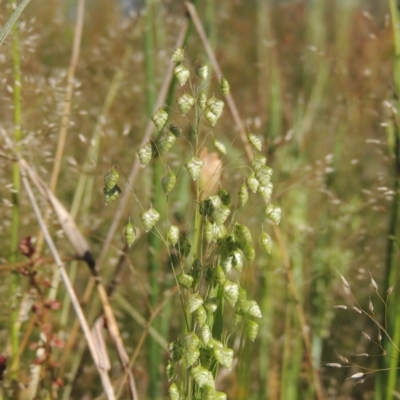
{"x": 207, "y": 258}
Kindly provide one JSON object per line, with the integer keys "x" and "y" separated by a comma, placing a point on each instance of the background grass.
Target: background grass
{"x": 311, "y": 78}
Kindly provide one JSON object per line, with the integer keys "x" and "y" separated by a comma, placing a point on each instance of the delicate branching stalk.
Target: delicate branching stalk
{"x": 218, "y": 245}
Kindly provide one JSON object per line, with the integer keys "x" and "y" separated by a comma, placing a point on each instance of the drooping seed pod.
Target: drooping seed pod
{"x": 175, "y": 129}
{"x": 254, "y": 141}
{"x": 243, "y": 234}
{"x": 243, "y": 194}
{"x": 170, "y": 370}
{"x": 220, "y": 214}
{"x": 202, "y": 100}
{"x": 220, "y": 396}
{"x": 111, "y": 179}
{"x": 144, "y": 154}
{"x": 258, "y": 161}
{"x": 253, "y": 309}
{"x": 174, "y": 393}
{"x": 220, "y": 275}
{"x": 266, "y": 242}
{"x": 149, "y": 218}
{"x": 184, "y": 246}
{"x": 191, "y": 343}
{"x": 194, "y": 166}
{"x": 202, "y": 72}
{"x": 111, "y": 195}
{"x": 249, "y": 252}
{"x": 176, "y": 350}
{"x": 263, "y": 175}
{"x": 231, "y": 292}
{"x": 168, "y": 182}
{"x": 206, "y": 355}
{"x": 129, "y": 234}
{"x": 207, "y": 393}
{"x": 164, "y": 143}
{"x": 251, "y": 329}
{"x": 159, "y": 118}
{"x": 224, "y": 86}
{"x": 224, "y": 356}
{"x": 181, "y": 74}
{"x": 225, "y": 197}
{"x": 215, "y": 106}
{"x": 205, "y": 336}
{"x": 211, "y": 304}
{"x": 202, "y": 376}
{"x": 201, "y": 316}
{"x": 226, "y": 264}
{"x": 173, "y": 235}
{"x": 185, "y": 103}
{"x": 178, "y": 55}
{"x": 230, "y": 243}
{"x": 210, "y": 117}
{"x": 208, "y": 231}
{"x": 253, "y": 183}
{"x": 266, "y": 192}
{"x": 220, "y": 147}
{"x": 185, "y": 280}
{"x": 194, "y": 302}
{"x": 273, "y": 213}
{"x": 219, "y": 231}
{"x": 242, "y": 299}
{"x": 238, "y": 260}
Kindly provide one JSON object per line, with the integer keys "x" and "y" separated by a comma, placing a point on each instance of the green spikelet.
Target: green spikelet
{"x": 194, "y": 166}
{"x": 266, "y": 242}
{"x": 159, "y": 118}
{"x": 111, "y": 195}
{"x": 224, "y": 86}
{"x": 111, "y": 179}
{"x": 231, "y": 292}
{"x": 185, "y": 280}
{"x": 181, "y": 74}
{"x": 254, "y": 141}
{"x": 185, "y": 103}
{"x": 219, "y": 147}
{"x": 252, "y": 183}
{"x": 202, "y": 100}
{"x": 164, "y": 143}
{"x": 273, "y": 213}
{"x": 170, "y": 370}
{"x": 202, "y": 72}
{"x": 202, "y": 376}
{"x": 266, "y": 192}
{"x": 174, "y": 393}
{"x": 243, "y": 194}
{"x": 129, "y": 234}
{"x": 173, "y": 235}
{"x": 251, "y": 329}
{"x": 145, "y": 154}
{"x": 258, "y": 161}
{"x": 168, "y": 182}
{"x": 263, "y": 175}
{"x": 178, "y": 55}
{"x": 149, "y": 218}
